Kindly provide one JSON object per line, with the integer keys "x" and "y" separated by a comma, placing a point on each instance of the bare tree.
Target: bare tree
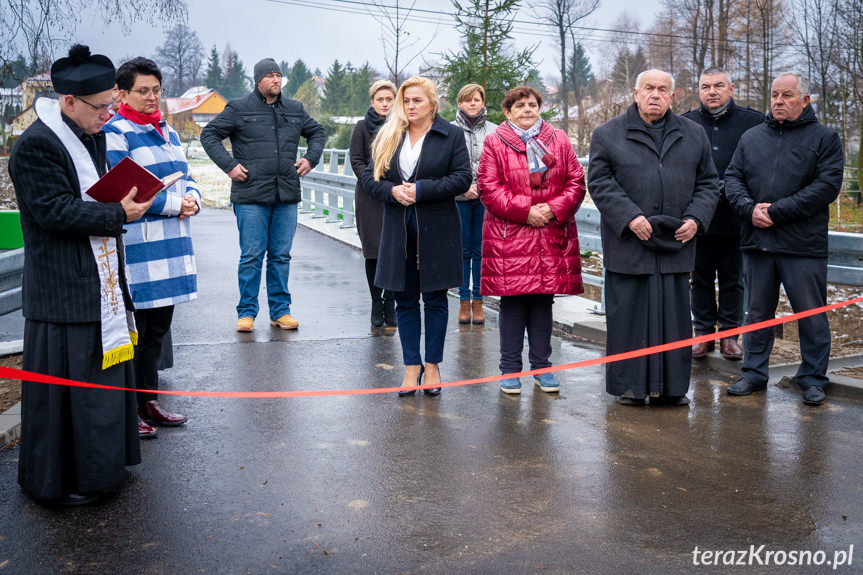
{"x": 181, "y": 57}
{"x": 850, "y": 15}
{"x": 816, "y": 27}
{"x": 563, "y": 16}
{"x": 39, "y": 27}
{"x": 392, "y": 15}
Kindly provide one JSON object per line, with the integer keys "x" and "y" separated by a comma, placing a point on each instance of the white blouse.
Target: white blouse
{"x": 409, "y": 156}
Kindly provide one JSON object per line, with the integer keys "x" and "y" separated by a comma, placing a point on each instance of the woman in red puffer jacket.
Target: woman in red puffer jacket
{"x": 531, "y": 184}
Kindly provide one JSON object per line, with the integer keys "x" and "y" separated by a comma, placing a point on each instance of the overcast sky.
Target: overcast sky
{"x": 320, "y": 31}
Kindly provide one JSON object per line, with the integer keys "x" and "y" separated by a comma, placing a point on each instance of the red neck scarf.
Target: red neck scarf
{"x": 141, "y": 118}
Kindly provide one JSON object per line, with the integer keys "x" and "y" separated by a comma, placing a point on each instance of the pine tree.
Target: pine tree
{"x": 583, "y": 83}
{"x": 213, "y": 79}
{"x": 295, "y": 75}
{"x": 234, "y": 84}
{"x": 337, "y": 92}
{"x": 361, "y": 80}
{"x": 487, "y": 57}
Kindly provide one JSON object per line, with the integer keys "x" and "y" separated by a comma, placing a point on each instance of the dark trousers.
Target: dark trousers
{"x": 717, "y": 256}
{"x": 409, "y": 317}
{"x": 471, "y": 213}
{"x": 520, "y": 312}
{"x": 805, "y": 283}
{"x": 152, "y": 326}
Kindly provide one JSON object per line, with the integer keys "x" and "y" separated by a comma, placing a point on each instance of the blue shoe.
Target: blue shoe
{"x": 547, "y": 382}
{"x": 511, "y": 386}
{"x": 410, "y": 392}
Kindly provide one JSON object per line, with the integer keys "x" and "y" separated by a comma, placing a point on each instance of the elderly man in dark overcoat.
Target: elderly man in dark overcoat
{"x": 652, "y": 177}
{"x": 75, "y": 442}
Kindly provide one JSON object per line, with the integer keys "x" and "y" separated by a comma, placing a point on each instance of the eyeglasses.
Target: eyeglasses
{"x": 144, "y": 92}
{"x": 100, "y": 109}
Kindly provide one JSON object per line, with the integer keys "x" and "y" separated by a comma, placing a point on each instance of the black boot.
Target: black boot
{"x": 377, "y": 311}
{"x": 390, "y": 308}
{"x": 377, "y": 317}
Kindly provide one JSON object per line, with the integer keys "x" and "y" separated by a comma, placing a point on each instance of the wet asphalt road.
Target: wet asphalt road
{"x": 472, "y": 481}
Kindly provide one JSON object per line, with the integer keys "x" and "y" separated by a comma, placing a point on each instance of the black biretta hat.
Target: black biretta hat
{"x": 82, "y": 73}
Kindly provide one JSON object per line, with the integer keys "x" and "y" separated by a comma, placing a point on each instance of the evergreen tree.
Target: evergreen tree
{"x": 583, "y": 83}
{"x": 234, "y": 83}
{"x": 360, "y": 80}
{"x": 337, "y": 93}
{"x": 487, "y": 57}
{"x": 213, "y": 79}
{"x": 580, "y": 74}
{"x": 295, "y": 75}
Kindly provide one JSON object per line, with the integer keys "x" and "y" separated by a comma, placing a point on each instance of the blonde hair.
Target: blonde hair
{"x": 389, "y": 136}
{"x": 382, "y": 85}
{"x": 467, "y": 92}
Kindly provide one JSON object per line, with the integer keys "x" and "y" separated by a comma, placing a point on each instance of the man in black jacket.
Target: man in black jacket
{"x": 75, "y": 442}
{"x": 265, "y": 131}
{"x": 781, "y": 180}
{"x": 717, "y": 253}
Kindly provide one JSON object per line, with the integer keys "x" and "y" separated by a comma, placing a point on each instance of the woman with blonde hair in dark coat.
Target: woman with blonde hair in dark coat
{"x": 419, "y": 165}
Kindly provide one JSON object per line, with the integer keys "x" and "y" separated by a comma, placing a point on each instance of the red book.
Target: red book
{"x": 115, "y": 185}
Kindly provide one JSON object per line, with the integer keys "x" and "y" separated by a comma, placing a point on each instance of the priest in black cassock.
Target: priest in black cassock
{"x": 651, "y": 175}
{"x": 75, "y": 442}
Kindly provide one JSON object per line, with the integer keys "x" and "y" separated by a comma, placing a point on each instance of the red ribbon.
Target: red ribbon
{"x": 10, "y": 373}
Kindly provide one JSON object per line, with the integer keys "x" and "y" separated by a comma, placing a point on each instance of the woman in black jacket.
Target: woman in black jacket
{"x": 370, "y": 211}
{"x": 419, "y": 165}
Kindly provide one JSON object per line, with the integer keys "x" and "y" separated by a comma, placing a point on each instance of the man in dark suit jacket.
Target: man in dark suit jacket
{"x": 652, "y": 177}
{"x": 717, "y": 254}
{"x": 74, "y": 442}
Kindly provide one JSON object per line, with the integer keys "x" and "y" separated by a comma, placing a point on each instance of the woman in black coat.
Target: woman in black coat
{"x": 370, "y": 211}
{"x": 420, "y": 163}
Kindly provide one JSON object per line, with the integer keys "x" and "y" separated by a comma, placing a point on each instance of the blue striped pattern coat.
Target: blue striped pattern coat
{"x": 159, "y": 252}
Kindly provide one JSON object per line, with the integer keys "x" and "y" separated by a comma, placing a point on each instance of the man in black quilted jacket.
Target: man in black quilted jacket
{"x": 265, "y": 131}
{"x": 781, "y": 180}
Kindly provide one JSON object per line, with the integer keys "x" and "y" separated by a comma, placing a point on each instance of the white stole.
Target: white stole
{"x": 118, "y": 324}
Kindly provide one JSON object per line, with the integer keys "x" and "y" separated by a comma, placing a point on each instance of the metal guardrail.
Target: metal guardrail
{"x": 11, "y": 273}
{"x": 845, "y": 258}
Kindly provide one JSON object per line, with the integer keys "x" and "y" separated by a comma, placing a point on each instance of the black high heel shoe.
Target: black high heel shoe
{"x": 433, "y": 390}
{"x": 409, "y": 392}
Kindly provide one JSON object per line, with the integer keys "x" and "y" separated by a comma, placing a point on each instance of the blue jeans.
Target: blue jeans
{"x": 471, "y": 212}
{"x": 265, "y": 229}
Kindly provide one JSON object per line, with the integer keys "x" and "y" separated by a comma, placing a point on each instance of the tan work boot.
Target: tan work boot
{"x": 285, "y": 322}
{"x": 246, "y": 324}
{"x": 478, "y": 313}
{"x": 464, "y": 311}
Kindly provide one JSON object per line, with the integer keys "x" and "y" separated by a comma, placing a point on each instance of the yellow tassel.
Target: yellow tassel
{"x": 134, "y": 336}
{"x": 118, "y": 355}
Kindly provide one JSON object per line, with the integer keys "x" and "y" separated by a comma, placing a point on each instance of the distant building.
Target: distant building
{"x": 193, "y": 110}
{"x": 32, "y": 88}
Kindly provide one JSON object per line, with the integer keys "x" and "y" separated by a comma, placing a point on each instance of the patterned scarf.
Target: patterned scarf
{"x": 118, "y": 324}
{"x": 539, "y": 158}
